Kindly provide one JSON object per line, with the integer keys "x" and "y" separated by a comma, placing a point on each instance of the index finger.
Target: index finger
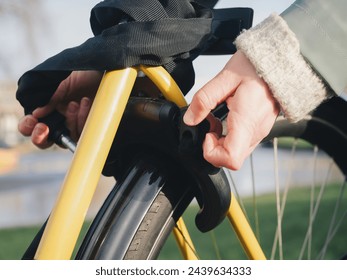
{"x": 209, "y": 96}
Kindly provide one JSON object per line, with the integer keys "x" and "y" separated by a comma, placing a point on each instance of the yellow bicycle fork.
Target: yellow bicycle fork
{"x": 67, "y": 217}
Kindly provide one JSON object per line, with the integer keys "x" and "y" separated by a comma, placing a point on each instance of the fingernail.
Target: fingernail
{"x": 73, "y": 108}
{"x": 39, "y": 129}
{"x": 30, "y": 123}
{"x": 85, "y": 102}
{"x": 188, "y": 117}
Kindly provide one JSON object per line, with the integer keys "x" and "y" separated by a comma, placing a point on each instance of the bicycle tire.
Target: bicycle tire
{"x": 326, "y": 128}
{"x": 151, "y": 212}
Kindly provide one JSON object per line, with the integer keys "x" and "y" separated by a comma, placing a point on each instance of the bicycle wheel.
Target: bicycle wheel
{"x": 125, "y": 230}
{"x": 139, "y": 213}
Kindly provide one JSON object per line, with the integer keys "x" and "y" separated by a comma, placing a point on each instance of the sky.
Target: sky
{"x": 66, "y": 24}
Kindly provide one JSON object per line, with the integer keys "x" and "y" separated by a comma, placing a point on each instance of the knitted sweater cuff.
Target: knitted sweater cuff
{"x": 274, "y": 51}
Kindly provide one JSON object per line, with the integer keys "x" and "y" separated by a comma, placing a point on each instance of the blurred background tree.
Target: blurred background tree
{"x": 21, "y": 22}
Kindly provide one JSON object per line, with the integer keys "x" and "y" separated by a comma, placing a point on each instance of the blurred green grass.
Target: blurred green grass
{"x": 294, "y": 227}
{"x": 13, "y": 242}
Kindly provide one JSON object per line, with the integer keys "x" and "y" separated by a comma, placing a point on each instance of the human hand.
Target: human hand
{"x": 252, "y": 112}
{"x": 73, "y": 98}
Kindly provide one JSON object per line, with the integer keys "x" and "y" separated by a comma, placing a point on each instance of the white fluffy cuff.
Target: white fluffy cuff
{"x": 274, "y": 51}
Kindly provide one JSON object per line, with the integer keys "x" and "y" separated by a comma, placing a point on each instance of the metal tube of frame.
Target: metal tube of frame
{"x": 184, "y": 241}
{"x": 68, "y": 214}
{"x": 166, "y": 84}
{"x": 244, "y": 232}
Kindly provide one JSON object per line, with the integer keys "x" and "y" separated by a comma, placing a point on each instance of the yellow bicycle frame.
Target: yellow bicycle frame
{"x": 67, "y": 217}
